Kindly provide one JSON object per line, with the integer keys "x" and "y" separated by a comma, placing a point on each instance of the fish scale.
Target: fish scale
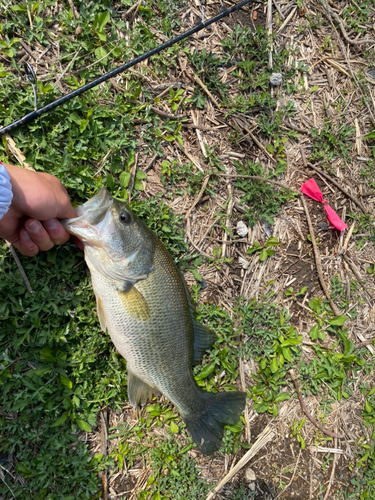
{"x": 146, "y": 344}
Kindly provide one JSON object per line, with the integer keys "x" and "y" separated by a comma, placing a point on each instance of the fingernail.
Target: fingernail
{"x": 26, "y": 235}
{"x": 28, "y": 240}
{"x": 33, "y": 226}
{"x": 50, "y": 224}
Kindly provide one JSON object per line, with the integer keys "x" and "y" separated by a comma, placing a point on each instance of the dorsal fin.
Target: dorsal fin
{"x": 203, "y": 336}
{"x": 203, "y": 340}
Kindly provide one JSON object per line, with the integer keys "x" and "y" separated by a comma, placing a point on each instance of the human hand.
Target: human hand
{"x": 39, "y": 200}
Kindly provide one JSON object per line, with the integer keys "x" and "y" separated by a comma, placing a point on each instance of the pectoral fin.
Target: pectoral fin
{"x": 135, "y": 304}
{"x": 100, "y": 313}
{"x": 139, "y": 391}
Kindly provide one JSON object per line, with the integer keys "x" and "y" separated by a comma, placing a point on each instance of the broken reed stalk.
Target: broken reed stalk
{"x": 262, "y": 440}
{"x": 306, "y": 411}
{"x": 318, "y": 261}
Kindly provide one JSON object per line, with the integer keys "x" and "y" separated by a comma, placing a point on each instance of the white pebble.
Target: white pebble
{"x": 243, "y": 263}
{"x": 241, "y": 229}
{"x": 276, "y": 79}
{"x": 250, "y": 475}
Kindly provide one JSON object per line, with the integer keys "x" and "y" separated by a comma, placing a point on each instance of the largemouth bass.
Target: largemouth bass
{"x": 144, "y": 304}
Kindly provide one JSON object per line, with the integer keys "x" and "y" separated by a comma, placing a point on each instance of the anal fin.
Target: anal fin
{"x": 139, "y": 391}
{"x": 203, "y": 340}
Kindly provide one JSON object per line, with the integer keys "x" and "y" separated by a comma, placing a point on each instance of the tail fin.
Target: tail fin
{"x": 207, "y": 426}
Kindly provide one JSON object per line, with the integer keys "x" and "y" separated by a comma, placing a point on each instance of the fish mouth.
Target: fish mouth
{"x": 90, "y": 215}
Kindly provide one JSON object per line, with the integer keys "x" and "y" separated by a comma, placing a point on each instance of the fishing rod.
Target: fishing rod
{"x": 49, "y": 107}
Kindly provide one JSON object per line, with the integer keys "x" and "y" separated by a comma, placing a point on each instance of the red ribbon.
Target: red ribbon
{"x": 311, "y": 189}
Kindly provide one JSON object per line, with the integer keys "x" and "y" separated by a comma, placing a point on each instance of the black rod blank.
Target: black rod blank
{"x": 35, "y": 114}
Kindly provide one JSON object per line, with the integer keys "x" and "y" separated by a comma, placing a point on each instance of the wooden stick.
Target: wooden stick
{"x": 149, "y": 164}
{"x": 306, "y": 411}
{"x": 317, "y": 259}
{"x": 258, "y": 143}
{"x": 132, "y": 174}
{"x": 199, "y": 135}
{"x": 343, "y": 31}
{"x": 197, "y": 199}
{"x": 199, "y": 82}
{"x": 189, "y": 156}
{"x": 19, "y": 265}
{"x": 353, "y": 198}
{"x": 332, "y": 472}
{"x": 74, "y": 10}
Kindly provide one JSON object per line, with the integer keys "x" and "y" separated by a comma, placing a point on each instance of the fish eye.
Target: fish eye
{"x": 124, "y": 217}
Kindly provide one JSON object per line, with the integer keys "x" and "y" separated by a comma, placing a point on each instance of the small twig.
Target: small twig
{"x": 348, "y": 236}
{"x": 134, "y": 6}
{"x": 214, "y": 129}
{"x": 326, "y": 58}
{"x": 74, "y": 10}
{"x": 29, "y": 16}
{"x": 149, "y": 164}
{"x": 199, "y": 82}
{"x": 189, "y": 156}
{"x": 198, "y": 198}
{"x": 333, "y": 471}
{"x": 104, "y": 436}
{"x": 180, "y": 103}
{"x": 286, "y": 20}
{"x": 258, "y": 143}
{"x": 303, "y": 156}
{"x": 59, "y": 78}
{"x": 337, "y": 18}
{"x": 306, "y": 411}
{"x": 19, "y": 265}
{"x": 28, "y": 50}
{"x": 199, "y": 135}
{"x": 335, "y": 183}
{"x": 9, "y": 488}
{"x": 278, "y": 9}
{"x": 292, "y": 478}
{"x": 228, "y": 217}
{"x": 132, "y": 17}
{"x": 132, "y": 174}
{"x": 317, "y": 259}
{"x": 364, "y": 344}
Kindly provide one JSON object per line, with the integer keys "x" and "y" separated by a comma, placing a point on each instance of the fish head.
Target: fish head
{"x": 116, "y": 242}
